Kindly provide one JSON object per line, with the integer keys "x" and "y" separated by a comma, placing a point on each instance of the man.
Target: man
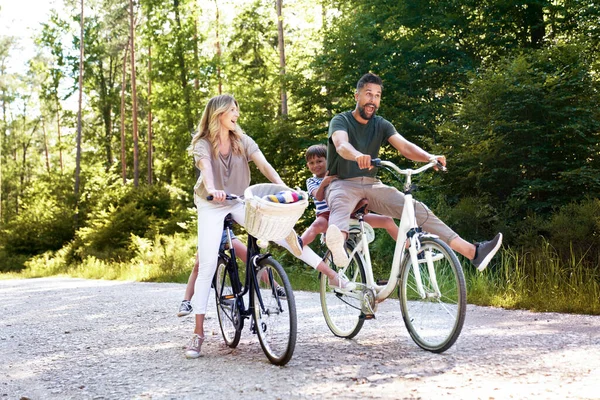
{"x": 354, "y": 139}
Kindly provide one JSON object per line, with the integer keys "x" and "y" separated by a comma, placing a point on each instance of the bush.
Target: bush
{"x": 144, "y": 212}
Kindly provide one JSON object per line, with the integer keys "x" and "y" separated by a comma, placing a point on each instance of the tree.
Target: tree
{"x": 79, "y": 117}
{"x": 281, "y": 47}
{"x": 136, "y": 166}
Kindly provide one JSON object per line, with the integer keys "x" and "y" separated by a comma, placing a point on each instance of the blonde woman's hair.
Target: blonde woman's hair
{"x": 210, "y": 125}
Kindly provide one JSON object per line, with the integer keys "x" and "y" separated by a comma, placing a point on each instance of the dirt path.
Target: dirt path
{"x": 83, "y": 339}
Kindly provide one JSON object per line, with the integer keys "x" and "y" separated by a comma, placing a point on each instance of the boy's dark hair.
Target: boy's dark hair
{"x": 369, "y": 78}
{"x": 316, "y": 150}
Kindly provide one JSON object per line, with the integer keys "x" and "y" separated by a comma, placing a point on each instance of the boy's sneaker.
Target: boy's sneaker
{"x": 294, "y": 242}
{"x": 342, "y": 282}
{"x": 281, "y": 292}
{"x": 185, "y": 308}
{"x": 485, "y": 251}
{"x": 193, "y": 347}
{"x": 334, "y": 238}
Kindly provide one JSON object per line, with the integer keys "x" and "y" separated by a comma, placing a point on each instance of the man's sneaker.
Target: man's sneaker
{"x": 334, "y": 238}
{"x": 185, "y": 308}
{"x": 193, "y": 348}
{"x": 281, "y": 292}
{"x": 485, "y": 251}
{"x": 295, "y": 243}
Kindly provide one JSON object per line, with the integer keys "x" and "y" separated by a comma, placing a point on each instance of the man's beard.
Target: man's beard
{"x": 363, "y": 114}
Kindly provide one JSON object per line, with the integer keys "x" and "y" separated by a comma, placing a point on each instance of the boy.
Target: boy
{"x": 316, "y": 161}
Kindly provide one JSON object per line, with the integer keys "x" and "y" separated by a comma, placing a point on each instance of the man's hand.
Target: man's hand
{"x": 364, "y": 161}
{"x": 440, "y": 159}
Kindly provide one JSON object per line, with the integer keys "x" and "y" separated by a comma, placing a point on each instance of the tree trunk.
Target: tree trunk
{"x": 46, "y": 146}
{"x": 60, "y": 155}
{"x": 284, "y": 106}
{"x": 196, "y": 57}
{"x": 183, "y": 73}
{"x": 150, "y": 149}
{"x": 124, "y": 81}
{"x": 218, "y": 46}
{"x": 136, "y": 163}
{"x": 79, "y": 122}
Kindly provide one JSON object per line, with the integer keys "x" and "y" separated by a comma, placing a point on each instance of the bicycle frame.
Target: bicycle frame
{"x": 408, "y": 233}
{"x": 253, "y": 258}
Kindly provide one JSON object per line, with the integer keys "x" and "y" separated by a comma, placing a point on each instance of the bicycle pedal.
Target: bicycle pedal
{"x": 229, "y": 296}
{"x": 364, "y": 316}
{"x": 382, "y": 282}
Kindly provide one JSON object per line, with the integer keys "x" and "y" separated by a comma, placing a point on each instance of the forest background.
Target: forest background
{"x": 96, "y": 182}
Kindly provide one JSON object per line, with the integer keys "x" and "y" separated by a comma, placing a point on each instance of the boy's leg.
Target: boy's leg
{"x": 318, "y": 226}
{"x": 383, "y": 222}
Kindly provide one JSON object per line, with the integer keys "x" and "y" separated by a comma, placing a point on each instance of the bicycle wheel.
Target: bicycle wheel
{"x": 342, "y": 310}
{"x": 275, "y": 312}
{"x": 228, "y": 312}
{"x": 434, "y": 322}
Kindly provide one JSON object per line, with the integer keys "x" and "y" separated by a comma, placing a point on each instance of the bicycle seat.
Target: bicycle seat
{"x": 361, "y": 208}
{"x": 228, "y": 221}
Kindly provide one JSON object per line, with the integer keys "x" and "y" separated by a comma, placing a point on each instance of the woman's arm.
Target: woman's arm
{"x": 265, "y": 168}
{"x": 208, "y": 179}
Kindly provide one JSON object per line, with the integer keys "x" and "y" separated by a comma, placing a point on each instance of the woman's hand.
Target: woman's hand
{"x": 218, "y": 195}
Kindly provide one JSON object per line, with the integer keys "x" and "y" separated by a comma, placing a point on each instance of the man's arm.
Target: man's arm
{"x": 348, "y": 152}
{"x": 412, "y": 151}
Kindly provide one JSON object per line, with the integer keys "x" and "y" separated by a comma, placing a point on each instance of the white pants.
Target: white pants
{"x": 210, "y": 228}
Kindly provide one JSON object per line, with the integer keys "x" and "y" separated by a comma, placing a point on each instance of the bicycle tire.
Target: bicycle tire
{"x": 228, "y": 312}
{"x": 275, "y": 317}
{"x": 342, "y": 311}
{"x": 435, "y": 322}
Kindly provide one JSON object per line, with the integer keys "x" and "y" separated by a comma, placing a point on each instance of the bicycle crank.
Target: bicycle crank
{"x": 368, "y": 304}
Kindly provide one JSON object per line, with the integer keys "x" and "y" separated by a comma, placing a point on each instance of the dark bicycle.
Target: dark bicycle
{"x": 270, "y": 307}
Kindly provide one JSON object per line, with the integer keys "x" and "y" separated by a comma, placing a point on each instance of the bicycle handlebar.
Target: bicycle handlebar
{"x": 227, "y": 197}
{"x": 377, "y": 162}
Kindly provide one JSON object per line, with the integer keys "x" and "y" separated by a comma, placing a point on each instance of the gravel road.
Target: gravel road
{"x": 64, "y": 338}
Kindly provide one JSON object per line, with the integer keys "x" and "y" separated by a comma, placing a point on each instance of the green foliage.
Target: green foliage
{"x": 539, "y": 280}
{"x": 45, "y": 222}
{"x": 144, "y": 212}
{"x": 162, "y": 259}
{"x": 528, "y": 131}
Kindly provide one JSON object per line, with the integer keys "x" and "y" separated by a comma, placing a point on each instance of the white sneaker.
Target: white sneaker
{"x": 295, "y": 243}
{"x": 343, "y": 283}
{"x": 334, "y": 238}
{"x": 194, "y": 346}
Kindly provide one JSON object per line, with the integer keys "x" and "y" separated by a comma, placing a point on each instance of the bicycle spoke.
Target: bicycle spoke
{"x": 434, "y": 322}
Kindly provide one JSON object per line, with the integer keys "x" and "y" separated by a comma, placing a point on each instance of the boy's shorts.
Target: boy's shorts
{"x": 224, "y": 244}
{"x": 324, "y": 214}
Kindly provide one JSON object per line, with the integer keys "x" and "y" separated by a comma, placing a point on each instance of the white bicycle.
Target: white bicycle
{"x": 431, "y": 283}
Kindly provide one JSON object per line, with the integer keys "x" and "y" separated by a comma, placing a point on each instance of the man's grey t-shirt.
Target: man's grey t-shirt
{"x": 366, "y": 138}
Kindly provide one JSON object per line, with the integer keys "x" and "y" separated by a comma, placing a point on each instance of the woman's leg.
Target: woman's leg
{"x": 209, "y": 238}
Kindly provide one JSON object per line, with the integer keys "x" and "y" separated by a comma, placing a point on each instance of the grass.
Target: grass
{"x": 537, "y": 280}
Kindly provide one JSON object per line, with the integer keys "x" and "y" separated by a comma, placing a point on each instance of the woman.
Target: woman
{"x": 222, "y": 152}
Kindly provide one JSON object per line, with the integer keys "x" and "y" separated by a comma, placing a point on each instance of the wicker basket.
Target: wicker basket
{"x": 267, "y": 220}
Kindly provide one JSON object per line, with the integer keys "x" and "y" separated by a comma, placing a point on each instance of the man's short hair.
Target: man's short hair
{"x": 316, "y": 150}
{"x": 369, "y": 78}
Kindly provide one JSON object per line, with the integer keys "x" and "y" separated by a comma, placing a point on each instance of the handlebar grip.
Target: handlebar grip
{"x": 227, "y": 197}
{"x": 376, "y": 162}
